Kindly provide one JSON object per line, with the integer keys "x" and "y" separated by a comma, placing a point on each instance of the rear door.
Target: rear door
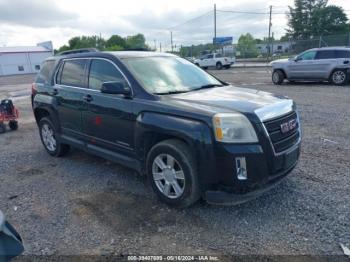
{"x": 303, "y": 66}
{"x": 69, "y": 89}
{"x": 324, "y": 63}
{"x": 109, "y": 120}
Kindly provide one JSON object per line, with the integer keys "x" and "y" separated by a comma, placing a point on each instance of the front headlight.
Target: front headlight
{"x": 233, "y": 128}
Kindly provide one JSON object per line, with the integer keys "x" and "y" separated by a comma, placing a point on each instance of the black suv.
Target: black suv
{"x": 193, "y": 135}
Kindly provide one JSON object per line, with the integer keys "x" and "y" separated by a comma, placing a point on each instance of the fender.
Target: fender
{"x": 196, "y": 134}
{"x": 49, "y": 104}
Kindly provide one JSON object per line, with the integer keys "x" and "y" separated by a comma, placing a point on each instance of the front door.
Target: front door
{"x": 109, "y": 120}
{"x": 303, "y": 67}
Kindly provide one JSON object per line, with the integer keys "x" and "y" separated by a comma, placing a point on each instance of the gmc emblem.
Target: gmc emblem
{"x": 288, "y": 126}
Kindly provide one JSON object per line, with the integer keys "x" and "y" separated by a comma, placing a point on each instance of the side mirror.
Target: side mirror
{"x": 116, "y": 87}
{"x": 10, "y": 241}
{"x": 297, "y": 59}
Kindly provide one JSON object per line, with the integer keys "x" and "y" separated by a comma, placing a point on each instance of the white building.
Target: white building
{"x": 24, "y": 59}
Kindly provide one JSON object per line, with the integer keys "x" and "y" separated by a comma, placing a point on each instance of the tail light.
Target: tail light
{"x": 33, "y": 89}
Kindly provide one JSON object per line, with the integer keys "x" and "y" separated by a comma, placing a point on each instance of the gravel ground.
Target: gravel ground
{"x": 82, "y": 204}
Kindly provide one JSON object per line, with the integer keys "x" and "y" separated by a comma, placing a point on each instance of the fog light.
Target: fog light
{"x": 241, "y": 168}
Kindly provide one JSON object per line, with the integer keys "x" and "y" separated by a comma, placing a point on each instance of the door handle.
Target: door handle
{"x": 55, "y": 91}
{"x": 87, "y": 98}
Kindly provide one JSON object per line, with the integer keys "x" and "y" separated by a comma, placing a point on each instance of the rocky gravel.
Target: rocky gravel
{"x": 82, "y": 204}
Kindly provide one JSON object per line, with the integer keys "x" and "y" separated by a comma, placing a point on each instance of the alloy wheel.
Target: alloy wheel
{"x": 168, "y": 176}
{"x": 338, "y": 77}
{"x": 48, "y": 137}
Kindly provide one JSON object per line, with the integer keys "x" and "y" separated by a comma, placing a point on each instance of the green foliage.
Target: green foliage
{"x": 329, "y": 20}
{"x": 114, "y": 43}
{"x": 247, "y": 46}
{"x": 311, "y": 18}
{"x": 116, "y": 40}
{"x": 136, "y": 42}
{"x": 196, "y": 50}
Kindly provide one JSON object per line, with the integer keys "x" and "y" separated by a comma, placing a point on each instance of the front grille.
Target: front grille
{"x": 282, "y": 141}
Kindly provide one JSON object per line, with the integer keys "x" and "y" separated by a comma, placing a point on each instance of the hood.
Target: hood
{"x": 227, "y": 99}
{"x": 283, "y": 60}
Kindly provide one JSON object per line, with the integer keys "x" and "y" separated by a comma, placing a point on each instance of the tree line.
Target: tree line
{"x": 113, "y": 43}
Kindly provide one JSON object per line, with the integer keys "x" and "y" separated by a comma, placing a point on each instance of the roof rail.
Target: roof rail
{"x": 78, "y": 51}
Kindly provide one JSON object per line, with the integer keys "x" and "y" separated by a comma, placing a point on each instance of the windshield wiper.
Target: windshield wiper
{"x": 172, "y": 92}
{"x": 207, "y": 86}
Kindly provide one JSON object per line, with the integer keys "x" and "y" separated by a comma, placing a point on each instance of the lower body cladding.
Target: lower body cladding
{"x": 244, "y": 172}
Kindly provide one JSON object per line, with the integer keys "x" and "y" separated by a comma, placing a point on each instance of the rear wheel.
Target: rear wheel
{"x": 173, "y": 173}
{"x": 277, "y": 77}
{"x": 48, "y": 135}
{"x": 218, "y": 65}
{"x": 13, "y": 125}
{"x": 339, "y": 77}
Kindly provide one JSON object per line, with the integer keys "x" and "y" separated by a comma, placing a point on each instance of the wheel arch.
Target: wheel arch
{"x": 152, "y": 128}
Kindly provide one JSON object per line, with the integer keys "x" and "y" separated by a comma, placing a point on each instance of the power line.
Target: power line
{"x": 190, "y": 20}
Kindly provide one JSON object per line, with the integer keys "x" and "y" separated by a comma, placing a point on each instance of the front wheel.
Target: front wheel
{"x": 218, "y": 66}
{"x": 277, "y": 77}
{"x": 339, "y": 77}
{"x": 48, "y": 135}
{"x": 173, "y": 173}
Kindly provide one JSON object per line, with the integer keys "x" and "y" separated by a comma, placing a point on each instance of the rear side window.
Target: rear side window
{"x": 44, "y": 76}
{"x": 325, "y": 54}
{"x": 103, "y": 71}
{"x": 342, "y": 54}
{"x": 218, "y": 56}
{"x": 73, "y": 73}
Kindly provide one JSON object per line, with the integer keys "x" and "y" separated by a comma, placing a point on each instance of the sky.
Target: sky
{"x": 27, "y": 22}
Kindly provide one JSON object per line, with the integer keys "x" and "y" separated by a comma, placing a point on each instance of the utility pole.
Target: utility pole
{"x": 160, "y": 46}
{"x": 214, "y": 23}
{"x": 155, "y": 45}
{"x": 171, "y": 41}
{"x": 270, "y": 24}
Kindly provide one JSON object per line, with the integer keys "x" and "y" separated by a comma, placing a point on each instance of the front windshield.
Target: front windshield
{"x": 167, "y": 74}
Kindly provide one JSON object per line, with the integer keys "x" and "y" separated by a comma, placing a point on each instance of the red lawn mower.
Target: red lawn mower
{"x": 8, "y": 113}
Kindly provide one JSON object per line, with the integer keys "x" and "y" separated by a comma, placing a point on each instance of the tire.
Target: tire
{"x": 48, "y": 135}
{"x": 13, "y": 125}
{"x": 2, "y": 128}
{"x": 163, "y": 160}
{"x": 277, "y": 77}
{"x": 218, "y": 65}
{"x": 339, "y": 77}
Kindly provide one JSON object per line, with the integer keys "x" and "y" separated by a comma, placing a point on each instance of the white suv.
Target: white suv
{"x": 330, "y": 64}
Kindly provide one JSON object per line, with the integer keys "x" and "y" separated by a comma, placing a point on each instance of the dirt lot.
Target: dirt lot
{"x": 82, "y": 204}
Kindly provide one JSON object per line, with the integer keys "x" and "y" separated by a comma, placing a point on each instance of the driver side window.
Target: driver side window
{"x": 308, "y": 55}
{"x": 102, "y": 71}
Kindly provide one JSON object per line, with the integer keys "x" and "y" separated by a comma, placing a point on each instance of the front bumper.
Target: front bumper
{"x": 264, "y": 171}
{"x": 221, "y": 197}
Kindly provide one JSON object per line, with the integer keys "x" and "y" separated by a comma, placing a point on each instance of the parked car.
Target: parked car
{"x": 192, "y": 134}
{"x": 214, "y": 60}
{"x": 10, "y": 241}
{"x": 325, "y": 64}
